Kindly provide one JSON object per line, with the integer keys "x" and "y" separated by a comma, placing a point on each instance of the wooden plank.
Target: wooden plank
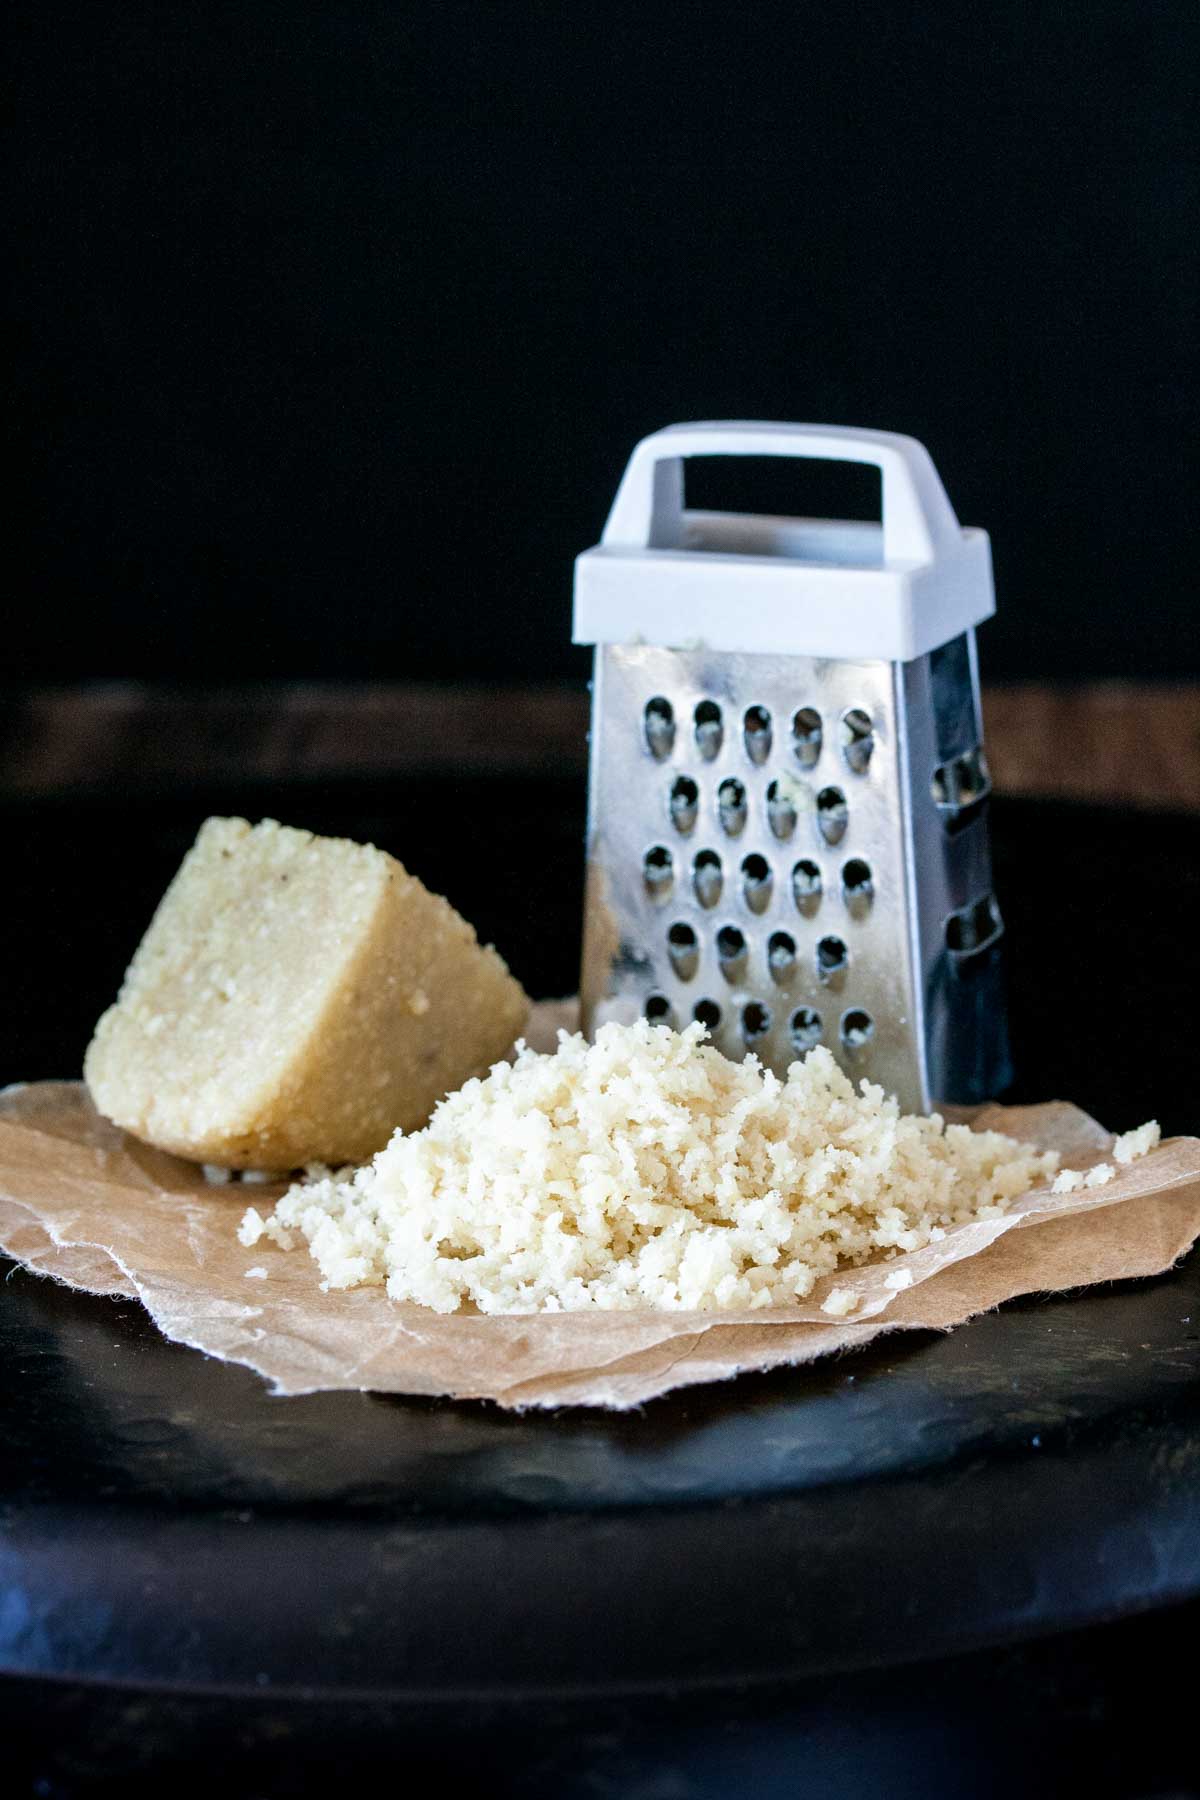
{"x": 1129, "y": 743}
{"x": 1137, "y": 744}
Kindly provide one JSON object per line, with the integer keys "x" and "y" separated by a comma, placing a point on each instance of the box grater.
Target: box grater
{"x": 787, "y": 830}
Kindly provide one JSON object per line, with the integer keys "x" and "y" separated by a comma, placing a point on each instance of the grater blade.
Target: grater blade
{"x": 747, "y": 858}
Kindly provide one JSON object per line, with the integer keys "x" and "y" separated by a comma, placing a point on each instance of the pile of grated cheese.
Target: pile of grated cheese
{"x": 646, "y": 1170}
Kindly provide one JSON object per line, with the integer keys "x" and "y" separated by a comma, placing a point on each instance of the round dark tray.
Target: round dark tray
{"x": 167, "y": 1522}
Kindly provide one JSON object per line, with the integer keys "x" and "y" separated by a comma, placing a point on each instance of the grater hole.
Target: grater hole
{"x": 858, "y": 1028}
{"x": 731, "y": 805}
{"x": 833, "y": 815}
{"x": 858, "y": 739}
{"x": 974, "y": 926}
{"x": 709, "y": 729}
{"x": 781, "y": 956}
{"x": 756, "y": 882}
{"x": 657, "y": 1009}
{"x": 708, "y": 1013}
{"x": 961, "y": 783}
{"x": 659, "y": 724}
{"x": 707, "y": 877}
{"x": 756, "y": 1020}
{"x": 804, "y": 1030}
{"x": 781, "y": 809}
{"x": 832, "y": 959}
{"x": 858, "y": 889}
{"x": 806, "y": 886}
{"x": 658, "y": 871}
{"x": 806, "y": 736}
{"x": 683, "y": 949}
{"x": 731, "y": 951}
{"x": 685, "y": 798}
{"x": 756, "y": 731}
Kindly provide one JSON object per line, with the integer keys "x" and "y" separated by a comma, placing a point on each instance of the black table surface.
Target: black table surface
{"x": 169, "y": 1527}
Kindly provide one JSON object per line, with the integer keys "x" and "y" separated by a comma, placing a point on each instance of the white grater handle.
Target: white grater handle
{"x": 919, "y": 523}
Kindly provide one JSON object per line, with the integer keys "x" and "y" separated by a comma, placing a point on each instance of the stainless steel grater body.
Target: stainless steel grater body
{"x": 787, "y": 832}
{"x": 814, "y": 911}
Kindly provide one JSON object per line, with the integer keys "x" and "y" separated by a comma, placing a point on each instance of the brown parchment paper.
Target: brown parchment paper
{"x": 84, "y": 1203}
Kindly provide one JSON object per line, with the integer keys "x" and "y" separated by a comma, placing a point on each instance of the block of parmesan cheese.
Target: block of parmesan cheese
{"x": 294, "y": 1000}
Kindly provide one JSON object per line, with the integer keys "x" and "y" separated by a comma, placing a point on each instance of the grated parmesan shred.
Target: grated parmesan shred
{"x": 1137, "y": 1143}
{"x": 646, "y": 1170}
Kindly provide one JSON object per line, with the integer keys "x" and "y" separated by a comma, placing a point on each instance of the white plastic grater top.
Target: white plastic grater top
{"x": 787, "y": 832}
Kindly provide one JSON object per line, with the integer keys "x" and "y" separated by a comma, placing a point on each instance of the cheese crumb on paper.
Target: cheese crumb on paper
{"x": 254, "y": 1228}
{"x": 647, "y": 1170}
{"x": 839, "y": 1301}
{"x": 1137, "y": 1143}
{"x": 1126, "y": 1149}
{"x": 251, "y": 1228}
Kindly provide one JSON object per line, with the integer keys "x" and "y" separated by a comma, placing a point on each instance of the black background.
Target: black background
{"x": 335, "y": 324}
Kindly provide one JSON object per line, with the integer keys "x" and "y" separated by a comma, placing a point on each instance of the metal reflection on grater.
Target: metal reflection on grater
{"x": 784, "y": 680}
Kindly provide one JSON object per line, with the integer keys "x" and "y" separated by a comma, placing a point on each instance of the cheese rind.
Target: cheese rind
{"x": 295, "y": 999}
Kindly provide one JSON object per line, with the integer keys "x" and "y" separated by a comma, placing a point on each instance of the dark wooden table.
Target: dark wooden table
{"x": 1120, "y": 743}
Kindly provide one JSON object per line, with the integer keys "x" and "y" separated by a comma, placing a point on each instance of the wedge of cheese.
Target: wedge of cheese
{"x": 294, "y": 1000}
